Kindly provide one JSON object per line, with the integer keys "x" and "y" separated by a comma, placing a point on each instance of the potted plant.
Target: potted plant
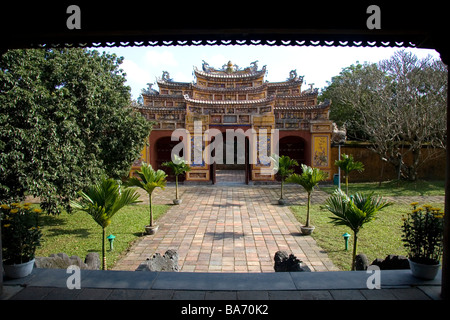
{"x": 101, "y": 201}
{"x": 283, "y": 166}
{"x": 309, "y": 178}
{"x": 422, "y": 234}
{"x": 178, "y": 166}
{"x": 348, "y": 164}
{"x": 20, "y": 238}
{"x": 149, "y": 180}
{"x": 354, "y": 212}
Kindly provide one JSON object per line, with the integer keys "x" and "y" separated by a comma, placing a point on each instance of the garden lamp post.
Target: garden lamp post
{"x": 346, "y": 237}
{"x": 111, "y": 238}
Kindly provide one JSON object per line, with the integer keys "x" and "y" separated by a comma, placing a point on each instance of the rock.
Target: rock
{"x": 166, "y": 262}
{"x": 392, "y": 262}
{"x": 288, "y": 263}
{"x": 361, "y": 262}
{"x": 92, "y": 261}
{"x": 62, "y": 261}
{"x": 377, "y": 262}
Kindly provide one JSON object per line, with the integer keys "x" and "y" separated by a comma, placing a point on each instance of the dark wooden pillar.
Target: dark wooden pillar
{"x": 445, "y": 289}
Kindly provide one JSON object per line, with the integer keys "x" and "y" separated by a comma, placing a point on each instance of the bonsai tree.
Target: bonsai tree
{"x": 354, "y": 212}
{"x": 309, "y": 178}
{"x": 178, "y": 166}
{"x": 283, "y": 165}
{"x": 149, "y": 180}
{"x": 102, "y": 201}
{"x": 347, "y": 164}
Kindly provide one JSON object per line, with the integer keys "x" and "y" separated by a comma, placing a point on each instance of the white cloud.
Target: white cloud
{"x": 137, "y": 77}
{"x": 155, "y": 58}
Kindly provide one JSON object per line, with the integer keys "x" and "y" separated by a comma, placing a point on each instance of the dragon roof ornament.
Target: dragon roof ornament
{"x": 230, "y": 70}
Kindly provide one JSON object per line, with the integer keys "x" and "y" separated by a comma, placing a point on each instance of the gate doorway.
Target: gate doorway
{"x": 236, "y": 170}
{"x": 294, "y": 147}
{"x": 164, "y": 147}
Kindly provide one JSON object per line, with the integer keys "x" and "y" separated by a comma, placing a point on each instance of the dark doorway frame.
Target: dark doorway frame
{"x": 44, "y": 25}
{"x": 248, "y": 169}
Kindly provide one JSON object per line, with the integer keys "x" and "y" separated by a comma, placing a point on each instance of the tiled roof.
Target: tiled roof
{"x": 322, "y": 105}
{"x": 163, "y": 109}
{"x": 239, "y": 89}
{"x": 231, "y": 75}
{"x": 229, "y": 102}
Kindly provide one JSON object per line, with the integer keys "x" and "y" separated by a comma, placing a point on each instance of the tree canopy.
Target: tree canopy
{"x": 65, "y": 122}
{"x": 398, "y": 104}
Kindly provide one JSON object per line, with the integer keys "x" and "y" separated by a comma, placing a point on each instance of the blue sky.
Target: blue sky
{"x": 317, "y": 64}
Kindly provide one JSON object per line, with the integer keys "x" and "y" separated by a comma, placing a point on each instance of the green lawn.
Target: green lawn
{"x": 78, "y": 234}
{"x": 377, "y": 239}
{"x": 395, "y": 188}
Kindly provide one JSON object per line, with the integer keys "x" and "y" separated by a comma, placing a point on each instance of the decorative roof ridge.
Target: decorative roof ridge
{"x": 173, "y": 83}
{"x": 261, "y": 87}
{"x": 228, "y": 102}
{"x": 161, "y": 108}
{"x": 296, "y": 96}
{"x": 310, "y": 91}
{"x": 286, "y": 83}
{"x": 322, "y": 105}
{"x": 164, "y": 96}
{"x": 232, "y": 75}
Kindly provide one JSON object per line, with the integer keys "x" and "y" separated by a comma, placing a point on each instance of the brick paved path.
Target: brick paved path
{"x": 229, "y": 228}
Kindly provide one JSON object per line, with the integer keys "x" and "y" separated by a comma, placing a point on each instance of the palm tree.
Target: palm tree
{"x": 348, "y": 164}
{"x": 178, "y": 166}
{"x": 283, "y": 165}
{"x": 148, "y": 180}
{"x": 101, "y": 201}
{"x": 309, "y": 178}
{"x": 354, "y": 212}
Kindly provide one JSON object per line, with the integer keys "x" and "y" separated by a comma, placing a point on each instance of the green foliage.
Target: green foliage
{"x": 309, "y": 178}
{"x": 354, "y": 212}
{"x": 178, "y": 166}
{"x": 396, "y": 188}
{"x": 423, "y": 230}
{"x": 381, "y": 238}
{"x": 20, "y": 232}
{"x": 348, "y": 164}
{"x": 78, "y": 234}
{"x": 65, "y": 120}
{"x": 283, "y": 166}
{"x": 102, "y": 201}
{"x": 342, "y": 112}
{"x": 396, "y": 105}
{"x": 148, "y": 180}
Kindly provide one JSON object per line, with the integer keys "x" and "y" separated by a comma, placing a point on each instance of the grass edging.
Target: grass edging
{"x": 377, "y": 239}
{"x": 78, "y": 234}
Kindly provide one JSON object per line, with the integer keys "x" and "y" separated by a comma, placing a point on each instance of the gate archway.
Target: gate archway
{"x": 164, "y": 147}
{"x": 294, "y": 147}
